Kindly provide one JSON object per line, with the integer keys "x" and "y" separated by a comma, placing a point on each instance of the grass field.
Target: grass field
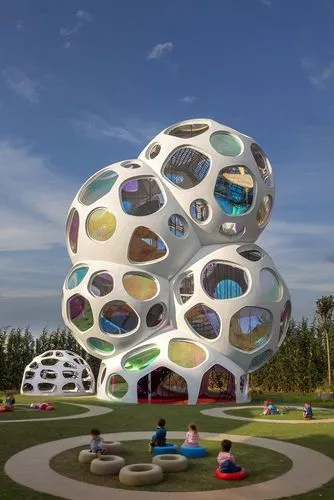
{"x": 16, "y": 437}
{"x": 199, "y": 475}
{"x": 290, "y": 415}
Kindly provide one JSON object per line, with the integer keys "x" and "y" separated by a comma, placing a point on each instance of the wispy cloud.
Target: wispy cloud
{"x": 160, "y": 50}
{"x": 133, "y": 130}
{"x": 82, "y": 17}
{"x": 189, "y": 99}
{"x": 19, "y": 25}
{"x": 21, "y": 84}
{"x": 319, "y": 78}
{"x": 33, "y": 200}
{"x": 268, "y": 3}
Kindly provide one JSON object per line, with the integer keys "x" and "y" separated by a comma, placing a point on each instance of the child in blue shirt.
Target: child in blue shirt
{"x": 97, "y": 442}
{"x": 159, "y": 437}
{"x": 308, "y": 412}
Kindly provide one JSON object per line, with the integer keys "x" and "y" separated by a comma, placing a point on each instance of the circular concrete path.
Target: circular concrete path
{"x": 92, "y": 411}
{"x": 221, "y": 413}
{"x": 31, "y": 468}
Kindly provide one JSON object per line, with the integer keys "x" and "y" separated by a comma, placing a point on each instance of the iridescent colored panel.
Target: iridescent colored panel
{"x": 141, "y": 196}
{"x": 118, "y": 318}
{"x": 264, "y": 211}
{"x": 98, "y": 187}
{"x": 146, "y": 246}
{"x": 250, "y": 328}
{"x": 155, "y": 315}
{"x": 80, "y": 312}
{"x": 73, "y": 229}
{"x": 224, "y": 281}
{"x": 226, "y": 144}
{"x": 100, "y": 345}
{"x": 232, "y": 229}
{"x": 234, "y": 190}
{"x": 263, "y": 164}
{"x": 204, "y": 321}
{"x": 186, "y": 167}
{"x": 270, "y": 285}
{"x": 177, "y": 225}
{"x": 141, "y": 360}
{"x": 284, "y": 320}
{"x": 250, "y": 254}
{"x": 117, "y": 386}
{"x": 101, "y": 224}
{"x": 199, "y": 210}
{"x": 140, "y": 286}
{"x": 186, "y": 287}
{"x": 260, "y": 360}
{"x": 76, "y": 277}
{"x": 186, "y": 354}
{"x": 188, "y": 130}
{"x": 101, "y": 284}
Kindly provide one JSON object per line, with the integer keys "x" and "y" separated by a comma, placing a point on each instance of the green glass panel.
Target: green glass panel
{"x": 142, "y": 359}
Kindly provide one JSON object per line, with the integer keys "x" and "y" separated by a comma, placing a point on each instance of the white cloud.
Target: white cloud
{"x": 160, "y": 50}
{"x": 82, "y": 18}
{"x": 33, "y": 200}
{"x": 133, "y": 131}
{"x": 19, "y": 25}
{"x": 319, "y": 78}
{"x": 21, "y": 84}
{"x": 189, "y": 99}
{"x": 268, "y": 3}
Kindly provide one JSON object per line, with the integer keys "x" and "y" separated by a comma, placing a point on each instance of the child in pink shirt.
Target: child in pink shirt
{"x": 192, "y": 436}
{"x": 225, "y": 459}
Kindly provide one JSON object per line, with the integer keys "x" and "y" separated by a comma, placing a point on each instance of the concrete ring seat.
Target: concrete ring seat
{"x": 113, "y": 447}
{"x": 171, "y": 463}
{"x": 193, "y": 451}
{"x": 141, "y": 474}
{"x": 85, "y": 456}
{"x": 106, "y": 465}
{"x": 168, "y": 449}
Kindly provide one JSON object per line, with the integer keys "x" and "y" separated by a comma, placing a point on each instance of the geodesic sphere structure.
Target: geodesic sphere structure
{"x": 58, "y": 373}
{"x": 168, "y": 287}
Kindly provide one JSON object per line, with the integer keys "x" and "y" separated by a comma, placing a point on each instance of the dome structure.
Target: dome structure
{"x": 168, "y": 287}
{"x": 58, "y": 373}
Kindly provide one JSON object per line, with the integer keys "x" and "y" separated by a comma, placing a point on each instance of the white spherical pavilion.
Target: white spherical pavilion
{"x": 168, "y": 288}
{"x": 58, "y": 373}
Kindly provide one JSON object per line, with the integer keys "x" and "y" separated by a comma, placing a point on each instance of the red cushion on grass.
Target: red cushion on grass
{"x": 231, "y": 476}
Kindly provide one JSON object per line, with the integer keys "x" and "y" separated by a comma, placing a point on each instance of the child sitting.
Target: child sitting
{"x": 273, "y": 409}
{"x": 266, "y": 410}
{"x": 225, "y": 459}
{"x": 10, "y": 400}
{"x": 97, "y": 442}
{"x": 308, "y": 412}
{"x": 159, "y": 437}
{"x": 192, "y": 436}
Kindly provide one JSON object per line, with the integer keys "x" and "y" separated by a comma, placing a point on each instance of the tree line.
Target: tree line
{"x": 303, "y": 363}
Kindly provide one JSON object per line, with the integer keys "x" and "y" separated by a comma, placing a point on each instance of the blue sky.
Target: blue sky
{"x": 84, "y": 84}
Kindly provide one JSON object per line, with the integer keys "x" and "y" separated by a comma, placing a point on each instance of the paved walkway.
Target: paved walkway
{"x": 31, "y": 468}
{"x": 92, "y": 411}
{"x": 221, "y": 413}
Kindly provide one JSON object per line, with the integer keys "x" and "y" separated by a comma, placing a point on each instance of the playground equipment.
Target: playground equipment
{"x": 167, "y": 287}
{"x": 60, "y": 373}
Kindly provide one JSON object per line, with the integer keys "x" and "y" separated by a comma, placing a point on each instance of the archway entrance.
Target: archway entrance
{"x": 218, "y": 386}
{"x": 162, "y": 386}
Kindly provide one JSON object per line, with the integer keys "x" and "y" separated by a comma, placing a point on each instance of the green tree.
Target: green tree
{"x": 324, "y": 315}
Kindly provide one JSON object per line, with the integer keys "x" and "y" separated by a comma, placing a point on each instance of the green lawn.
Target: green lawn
{"x": 199, "y": 475}
{"x": 19, "y": 436}
{"x": 290, "y": 415}
{"x": 23, "y": 411}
